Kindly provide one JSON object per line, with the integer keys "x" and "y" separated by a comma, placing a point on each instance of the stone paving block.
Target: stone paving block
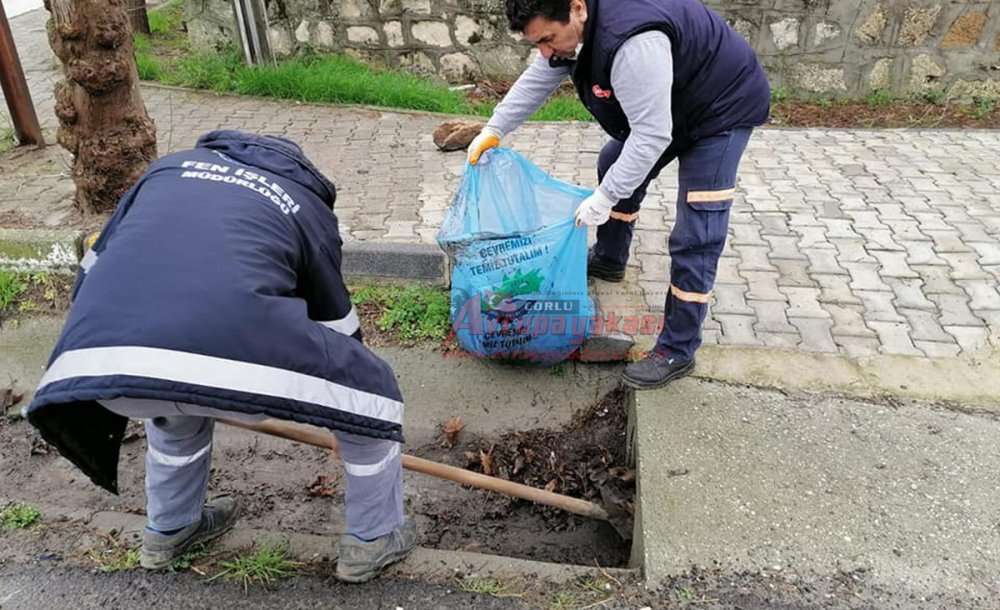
{"x": 731, "y": 299}
{"x": 965, "y": 266}
{"x": 824, "y": 261}
{"x": 848, "y": 320}
{"x": 955, "y": 310}
{"x": 927, "y": 221}
{"x": 710, "y": 337}
{"x": 921, "y": 253}
{"x": 851, "y": 251}
{"x": 753, "y": 258}
{"x": 654, "y": 295}
{"x": 973, "y": 232}
{"x": 879, "y": 306}
{"x": 831, "y": 210}
{"x": 780, "y": 340}
{"x": 909, "y": 293}
{"x": 880, "y": 239}
{"x": 937, "y": 280}
{"x": 804, "y": 302}
{"x": 947, "y": 242}
{"x": 784, "y": 247}
{"x": 895, "y": 339}
{"x": 857, "y": 347}
{"x": 400, "y": 230}
{"x": 728, "y": 271}
{"x": 770, "y": 317}
{"x": 934, "y": 349}
{"x": 800, "y": 220}
{"x": 989, "y": 253}
{"x": 924, "y": 326}
{"x": 983, "y": 293}
{"x": 763, "y": 285}
{"x": 773, "y": 224}
{"x": 839, "y": 229}
{"x": 970, "y": 338}
{"x": 651, "y": 241}
{"x": 836, "y": 289}
{"x": 653, "y": 263}
{"x": 865, "y": 276}
{"x": 793, "y": 272}
{"x": 812, "y": 237}
{"x": 893, "y": 265}
{"x": 737, "y": 330}
{"x": 890, "y": 211}
{"x": 816, "y": 336}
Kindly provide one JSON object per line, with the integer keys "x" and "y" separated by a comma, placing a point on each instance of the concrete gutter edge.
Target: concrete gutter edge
{"x": 60, "y": 250}
{"x": 426, "y": 564}
{"x": 971, "y": 381}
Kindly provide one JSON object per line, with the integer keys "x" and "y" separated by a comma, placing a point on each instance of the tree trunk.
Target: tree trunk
{"x": 138, "y": 16}
{"x": 102, "y": 120}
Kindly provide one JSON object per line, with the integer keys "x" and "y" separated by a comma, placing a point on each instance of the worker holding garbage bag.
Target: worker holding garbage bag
{"x": 667, "y": 80}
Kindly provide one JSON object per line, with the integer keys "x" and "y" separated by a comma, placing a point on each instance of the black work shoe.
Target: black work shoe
{"x": 655, "y": 371}
{"x": 359, "y": 561}
{"x": 603, "y": 269}
{"x": 160, "y": 550}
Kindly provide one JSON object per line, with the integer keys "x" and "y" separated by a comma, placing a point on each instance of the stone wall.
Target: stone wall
{"x": 826, "y": 47}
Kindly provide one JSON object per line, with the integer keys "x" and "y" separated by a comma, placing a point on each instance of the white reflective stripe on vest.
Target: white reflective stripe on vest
{"x": 367, "y": 470}
{"x": 88, "y": 260}
{"x": 177, "y": 460}
{"x": 234, "y": 375}
{"x": 348, "y": 325}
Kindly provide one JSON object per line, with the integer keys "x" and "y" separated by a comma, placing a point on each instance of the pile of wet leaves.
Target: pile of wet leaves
{"x": 586, "y": 459}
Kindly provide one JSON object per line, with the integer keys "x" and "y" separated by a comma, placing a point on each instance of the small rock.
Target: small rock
{"x": 456, "y": 135}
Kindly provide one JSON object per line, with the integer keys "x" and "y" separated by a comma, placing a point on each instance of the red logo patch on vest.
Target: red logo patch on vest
{"x": 601, "y": 93}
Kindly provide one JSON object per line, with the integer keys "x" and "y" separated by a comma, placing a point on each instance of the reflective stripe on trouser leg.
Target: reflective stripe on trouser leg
{"x": 614, "y": 238}
{"x": 178, "y": 456}
{"x": 374, "y": 498}
{"x": 707, "y": 177}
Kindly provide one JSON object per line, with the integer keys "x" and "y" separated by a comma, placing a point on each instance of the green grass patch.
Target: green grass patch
{"x": 115, "y": 557}
{"x": 12, "y": 286}
{"x": 332, "y": 78}
{"x": 166, "y": 19}
{"x": 265, "y": 566}
{"x": 19, "y": 516}
{"x": 411, "y": 312}
{"x": 8, "y": 139}
{"x": 487, "y": 586}
{"x": 984, "y": 107}
{"x": 880, "y": 97}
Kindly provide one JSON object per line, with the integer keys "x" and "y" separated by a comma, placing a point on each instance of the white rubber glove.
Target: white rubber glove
{"x": 595, "y": 210}
{"x": 488, "y": 138}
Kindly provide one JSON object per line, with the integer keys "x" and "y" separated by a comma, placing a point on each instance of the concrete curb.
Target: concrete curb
{"x": 52, "y": 250}
{"x": 395, "y": 260}
{"x": 60, "y": 250}
{"x": 423, "y": 563}
{"x": 972, "y": 381}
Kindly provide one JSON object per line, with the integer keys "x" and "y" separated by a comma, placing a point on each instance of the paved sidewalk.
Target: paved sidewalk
{"x": 852, "y": 241}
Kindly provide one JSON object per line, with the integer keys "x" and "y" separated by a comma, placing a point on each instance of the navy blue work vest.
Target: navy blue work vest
{"x": 718, "y": 82}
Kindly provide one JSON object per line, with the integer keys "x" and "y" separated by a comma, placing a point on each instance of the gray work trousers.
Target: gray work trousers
{"x": 179, "y": 454}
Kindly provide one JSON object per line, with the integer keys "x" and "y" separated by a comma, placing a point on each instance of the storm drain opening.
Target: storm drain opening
{"x": 586, "y": 459}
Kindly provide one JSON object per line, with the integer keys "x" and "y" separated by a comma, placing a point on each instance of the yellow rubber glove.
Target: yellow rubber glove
{"x": 488, "y": 138}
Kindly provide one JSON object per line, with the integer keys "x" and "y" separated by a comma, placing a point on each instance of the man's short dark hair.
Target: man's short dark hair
{"x": 521, "y": 12}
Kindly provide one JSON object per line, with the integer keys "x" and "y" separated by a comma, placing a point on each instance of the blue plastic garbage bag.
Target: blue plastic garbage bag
{"x": 519, "y": 262}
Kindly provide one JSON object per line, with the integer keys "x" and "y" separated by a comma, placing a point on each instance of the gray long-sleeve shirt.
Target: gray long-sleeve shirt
{"x": 641, "y": 78}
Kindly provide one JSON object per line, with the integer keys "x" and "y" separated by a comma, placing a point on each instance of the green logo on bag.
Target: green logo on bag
{"x": 499, "y": 299}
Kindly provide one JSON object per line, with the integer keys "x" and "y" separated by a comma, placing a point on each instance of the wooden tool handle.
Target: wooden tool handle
{"x": 319, "y": 438}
